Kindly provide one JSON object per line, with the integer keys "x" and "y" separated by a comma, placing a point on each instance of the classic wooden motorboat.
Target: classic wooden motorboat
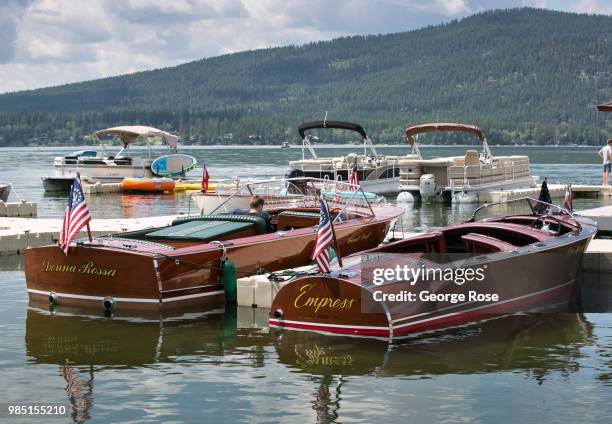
{"x": 184, "y": 263}
{"x": 460, "y": 178}
{"x": 520, "y": 262}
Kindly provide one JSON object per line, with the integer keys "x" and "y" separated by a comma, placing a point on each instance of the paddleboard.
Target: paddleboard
{"x": 173, "y": 165}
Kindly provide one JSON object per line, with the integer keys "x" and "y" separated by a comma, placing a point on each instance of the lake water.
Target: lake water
{"x": 213, "y": 366}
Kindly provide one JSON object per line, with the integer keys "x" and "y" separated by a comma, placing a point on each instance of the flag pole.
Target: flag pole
{"x": 333, "y": 230}
{"x": 88, "y": 227}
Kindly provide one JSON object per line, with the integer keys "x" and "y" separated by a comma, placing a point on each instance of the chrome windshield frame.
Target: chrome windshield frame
{"x": 321, "y": 186}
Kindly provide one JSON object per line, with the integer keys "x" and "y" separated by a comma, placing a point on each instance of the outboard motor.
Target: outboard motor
{"x": 427, "y": 186}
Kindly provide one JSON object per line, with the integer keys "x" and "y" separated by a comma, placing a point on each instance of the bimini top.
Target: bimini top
{"x": 424, "y": 128}
{"x": 331, "y": 124}
{"x": 129, "y": 134}
{"x": 605, "y": 107}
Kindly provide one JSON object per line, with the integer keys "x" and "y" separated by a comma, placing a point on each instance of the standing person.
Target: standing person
{"x": 606, "y": 154}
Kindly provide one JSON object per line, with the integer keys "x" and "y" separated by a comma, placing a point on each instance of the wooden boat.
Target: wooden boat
{"x": 5, "y": 190}
{"x": 155, "y": 185}
{"x": 217, "y": 195}
{"x": 524, "y": 261}
{"x": 185, "y": 262}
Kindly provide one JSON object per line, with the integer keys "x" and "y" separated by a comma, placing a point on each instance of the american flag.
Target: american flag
{"x": 76, "y": 216}
{"x": 205, "y": 180}
{"x": 325, "y": 239}
{"x": 354, "y": 177}
{"x": 568, "y": 201}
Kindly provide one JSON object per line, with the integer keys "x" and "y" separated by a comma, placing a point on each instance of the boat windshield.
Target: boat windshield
{"x": 295, "y": 193}
{"x": 523, "y": 206}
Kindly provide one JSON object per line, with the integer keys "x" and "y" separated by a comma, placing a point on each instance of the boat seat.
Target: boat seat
{"x": 478, "y": 243}
{"x": 258, "y": 222}
{"x": 287, "y": 220}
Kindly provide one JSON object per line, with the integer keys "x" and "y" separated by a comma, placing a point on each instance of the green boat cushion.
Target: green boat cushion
{"x": 259, "y": 222}
{"x": 199, "y": 230}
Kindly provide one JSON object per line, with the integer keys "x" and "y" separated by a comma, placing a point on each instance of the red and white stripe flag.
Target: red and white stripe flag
{"x": 76, "y": 216}
{"x": 325, "y": 239}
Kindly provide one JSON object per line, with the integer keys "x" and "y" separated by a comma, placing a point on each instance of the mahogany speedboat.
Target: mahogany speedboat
{"x": 184, "y": 263}
{"x": 484, "y": 268}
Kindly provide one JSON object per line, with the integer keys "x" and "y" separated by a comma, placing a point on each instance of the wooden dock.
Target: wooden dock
{"x": 16, "y": 234}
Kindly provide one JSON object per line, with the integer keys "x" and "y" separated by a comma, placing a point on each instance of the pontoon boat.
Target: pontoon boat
{"x": 378, "y": 174}
{"x": 461, "y": 178}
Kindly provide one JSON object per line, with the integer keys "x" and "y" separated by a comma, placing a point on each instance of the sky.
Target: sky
{"x": 51, "y": 42}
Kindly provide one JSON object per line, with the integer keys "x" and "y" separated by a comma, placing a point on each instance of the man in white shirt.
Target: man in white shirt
{"x": 606, "y": 154}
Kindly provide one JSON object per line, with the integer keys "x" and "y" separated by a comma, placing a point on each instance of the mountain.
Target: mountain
{"x": 524, "y": 75}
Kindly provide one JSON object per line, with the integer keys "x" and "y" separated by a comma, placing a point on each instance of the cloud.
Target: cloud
{"x": 50, "y": 42}
{"x": 592, "y": 6}
{"x": 11, "y": 13}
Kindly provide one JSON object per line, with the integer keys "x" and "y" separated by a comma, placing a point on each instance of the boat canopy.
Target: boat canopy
{"x": 334, "y": 125}
{"x": 605, "y": 107}
{"x": 331, "y": 124}
{"x": 411, "y": 132}
{"x": 424, "y": 128}
{"x": 129, "y": 134}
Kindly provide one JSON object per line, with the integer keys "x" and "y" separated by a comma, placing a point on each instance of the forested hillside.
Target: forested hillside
{"x": 523, "y": 75}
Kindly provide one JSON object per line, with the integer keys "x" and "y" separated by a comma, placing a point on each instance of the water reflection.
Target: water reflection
{"x": 83, "y": 345}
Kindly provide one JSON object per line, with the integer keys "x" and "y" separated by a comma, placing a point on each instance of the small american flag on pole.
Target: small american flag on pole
{"x": 325, "y": 239}
{"x": 354, "y": 177}
{"x": 76, "y": 216}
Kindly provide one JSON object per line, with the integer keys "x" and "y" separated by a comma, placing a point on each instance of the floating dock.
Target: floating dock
{"x": 18, "y": 209}
{"x": 16, "y": 234}
{"x": 557, "y": 191}
{"x": 603, "y": 217}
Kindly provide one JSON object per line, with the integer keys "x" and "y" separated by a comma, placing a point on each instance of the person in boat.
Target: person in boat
{"x": 256, "y": 208}
{"x": 606, "y": 154}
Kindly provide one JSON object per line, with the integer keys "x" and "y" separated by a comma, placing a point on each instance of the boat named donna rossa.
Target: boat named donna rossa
{"x": 458, "y": 275}
{"x": 182, "y": 263}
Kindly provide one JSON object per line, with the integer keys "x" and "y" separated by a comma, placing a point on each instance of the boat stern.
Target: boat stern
{"x": 329, "y": 305}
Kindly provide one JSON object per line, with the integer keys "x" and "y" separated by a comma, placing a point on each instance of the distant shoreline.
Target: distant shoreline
{"x": 297, "y": 147}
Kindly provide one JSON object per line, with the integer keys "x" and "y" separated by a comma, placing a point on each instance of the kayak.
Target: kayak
{"x": 157, "y": 185}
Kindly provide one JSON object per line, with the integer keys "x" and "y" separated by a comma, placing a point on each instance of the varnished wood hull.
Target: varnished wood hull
{"x": 143, "y": 277}
{"x": 346, "y": 305}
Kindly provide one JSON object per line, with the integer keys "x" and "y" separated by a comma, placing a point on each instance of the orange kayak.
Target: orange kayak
{"x": 148, "y": 184}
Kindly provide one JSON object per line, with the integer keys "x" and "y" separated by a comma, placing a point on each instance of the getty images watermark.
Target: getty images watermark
{"x": 436, "y": 278}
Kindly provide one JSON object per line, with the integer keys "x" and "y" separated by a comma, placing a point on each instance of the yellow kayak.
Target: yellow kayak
{"x": 192, "y": 186}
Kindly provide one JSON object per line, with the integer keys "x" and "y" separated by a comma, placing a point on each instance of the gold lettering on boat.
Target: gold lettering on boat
{"x": 359, "y": 237}
{"x": 320, "y": 302}
{"x": 87, "y": 268}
